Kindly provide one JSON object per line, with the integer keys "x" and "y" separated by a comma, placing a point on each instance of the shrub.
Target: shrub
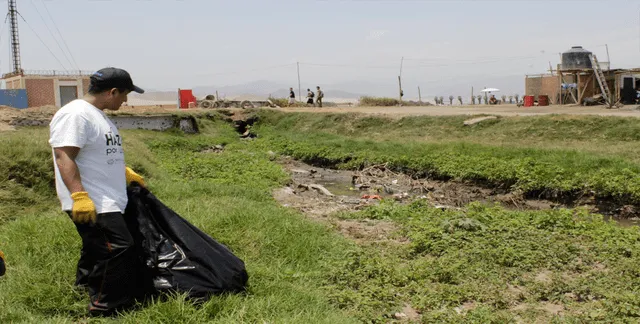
{"x": 378, "y": 101}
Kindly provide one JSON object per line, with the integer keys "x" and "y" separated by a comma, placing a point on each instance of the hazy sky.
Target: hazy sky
{"x": 167, "y": 44}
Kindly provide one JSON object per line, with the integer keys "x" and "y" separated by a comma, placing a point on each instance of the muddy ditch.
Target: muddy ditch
{"x": 321, "y": 192}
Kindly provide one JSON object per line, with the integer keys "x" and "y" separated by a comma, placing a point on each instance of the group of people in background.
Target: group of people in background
{"x": 310, "y": 97}
{"x": 488, "y": 100}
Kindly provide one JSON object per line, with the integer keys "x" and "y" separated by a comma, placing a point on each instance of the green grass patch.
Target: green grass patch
{"x": 483, "y": 264}
{"x": 226, "y": 194}
{"x": 601, "y": 135}
{"x": 540, "y": 171}
{"x": 378, "y": 101}
{"x": 502, "y": 265}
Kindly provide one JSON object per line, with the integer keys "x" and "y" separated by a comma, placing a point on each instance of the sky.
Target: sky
{"x": 169, "y": 44}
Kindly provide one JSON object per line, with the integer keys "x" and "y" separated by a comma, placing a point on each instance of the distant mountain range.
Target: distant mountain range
{"x": 351, "y": 90}
{"x": 268, "y": 88}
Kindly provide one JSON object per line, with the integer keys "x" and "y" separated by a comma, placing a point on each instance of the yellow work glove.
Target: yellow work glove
{"x": 83, "y": 210}
{"x": 133, "y": 177}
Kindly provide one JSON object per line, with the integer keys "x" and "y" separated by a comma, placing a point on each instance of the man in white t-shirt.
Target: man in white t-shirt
{"x": 91, "y": 182}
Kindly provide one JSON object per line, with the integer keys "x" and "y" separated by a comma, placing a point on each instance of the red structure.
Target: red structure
{"x": 185, "y": 96}
{"x": 529, "y": 101}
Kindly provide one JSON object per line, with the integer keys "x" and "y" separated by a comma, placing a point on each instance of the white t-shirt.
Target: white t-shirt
{"x": 101, "y": 157}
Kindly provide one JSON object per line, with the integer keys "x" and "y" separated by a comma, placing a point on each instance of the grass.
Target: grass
{"x": 225, "y": 194}
{"x": 604, "y": 136}
{"x": 550, "y": 171}
{"x": 378, "y": 101}
{"x": 487, "y": 264}
{"x": 482, "y": 264}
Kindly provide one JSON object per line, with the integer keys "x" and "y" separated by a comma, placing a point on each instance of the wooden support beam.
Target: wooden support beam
{"x": 580, "y": 90}
{"x": 573, "y": 95}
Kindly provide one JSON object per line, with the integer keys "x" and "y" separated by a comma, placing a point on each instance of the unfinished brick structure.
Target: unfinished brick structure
{"x": 544, "y": 84}
{"x": 52, "y": 89}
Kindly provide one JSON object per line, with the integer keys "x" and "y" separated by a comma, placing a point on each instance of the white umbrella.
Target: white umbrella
{"x": 490, "y": 90}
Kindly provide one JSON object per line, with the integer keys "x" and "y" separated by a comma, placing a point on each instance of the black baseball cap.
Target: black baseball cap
{"x": 111, "y": 77}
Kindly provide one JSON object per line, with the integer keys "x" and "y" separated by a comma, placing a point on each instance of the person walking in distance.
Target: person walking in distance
{"x": 320, "y": 96}
{"x": 292, "y": 97}
{"x": 310, "y": 95}
{"x": 91, "y": 181}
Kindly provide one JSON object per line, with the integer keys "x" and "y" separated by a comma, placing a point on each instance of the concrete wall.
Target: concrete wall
{"x": 85, "y": 86}
{"x": 16, "y": 82}
{"x": 45, "y": 90}
{"x": 161, "y": 123}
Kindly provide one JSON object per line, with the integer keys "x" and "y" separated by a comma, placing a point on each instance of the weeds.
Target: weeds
{"x": 226, "y": 194}
{"x": 503, "y": 263}
{"x": 539, "y": 172}
{"x": 375, "y": 101}
{"x": 482, "y": 264}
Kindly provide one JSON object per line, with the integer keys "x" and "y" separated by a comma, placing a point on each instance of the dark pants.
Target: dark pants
{"x": 108, "y": 265}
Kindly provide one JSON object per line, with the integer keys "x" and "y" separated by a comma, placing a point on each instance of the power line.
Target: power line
{"x": 43, "y": 43}
{"x": 51, "y": 33}
{"x": 350, "y": 65}
{"x": 61, "y": 37}
{"x": 245, "y": 71}
{"x": 424, "y": 65}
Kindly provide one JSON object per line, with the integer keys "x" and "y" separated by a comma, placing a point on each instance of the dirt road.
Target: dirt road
{"x": 11, "y": 117}
{"x": 502, "y": 110}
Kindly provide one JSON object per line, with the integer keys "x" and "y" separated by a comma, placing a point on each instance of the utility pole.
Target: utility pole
{"x": 419, "y": 96}
{"x": 472, "y": 97}
{"x": 15, "y": 39}
{"x": 299, "y": 92}
{"x": 608, "y": 58}
{"x": 400, "y": 82}
{"x": 400, "y": 86}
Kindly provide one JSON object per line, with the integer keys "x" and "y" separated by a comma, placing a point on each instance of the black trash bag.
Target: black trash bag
{"x": 176, "y": 256}
{"x": 3, "y": 268}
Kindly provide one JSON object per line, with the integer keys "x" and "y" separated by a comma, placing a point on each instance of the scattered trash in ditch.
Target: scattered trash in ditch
{"x": 322, "y": 192}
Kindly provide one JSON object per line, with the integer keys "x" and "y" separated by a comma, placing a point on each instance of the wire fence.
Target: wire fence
{"x": 58, "y": 73}
{"x": 70, "y": 73}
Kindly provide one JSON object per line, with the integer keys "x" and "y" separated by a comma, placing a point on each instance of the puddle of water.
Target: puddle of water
{"x": 339, "y": 189}
{"x": 624, "y": 222}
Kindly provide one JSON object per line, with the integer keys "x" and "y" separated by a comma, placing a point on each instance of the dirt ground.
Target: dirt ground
{"x": 322, "y": 194}
{"x": 11, "y": 117}
{"x": 501, "y": 110}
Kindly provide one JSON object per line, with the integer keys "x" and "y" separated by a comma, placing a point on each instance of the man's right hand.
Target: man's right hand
{"x": 83, "y": 210}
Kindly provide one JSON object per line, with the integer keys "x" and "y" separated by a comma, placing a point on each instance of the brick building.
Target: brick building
{"x": 542, "y": 84}
{"x": 49, "y": 88}
{"x": 586, "y": 86}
